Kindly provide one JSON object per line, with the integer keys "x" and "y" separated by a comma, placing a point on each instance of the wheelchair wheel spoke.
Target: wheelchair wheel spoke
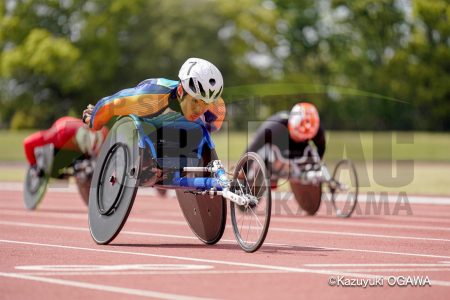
{"x": 254, "y": 181}
{"x": 251, "y": 230}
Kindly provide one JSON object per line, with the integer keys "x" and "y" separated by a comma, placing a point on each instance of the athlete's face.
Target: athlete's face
{"x": 192, "y": 108}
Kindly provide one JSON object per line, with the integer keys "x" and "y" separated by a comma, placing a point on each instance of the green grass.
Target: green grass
{"x": 376, "y": 146}
{"x": 12, "y": 173}
{"x": 12, "y": 145}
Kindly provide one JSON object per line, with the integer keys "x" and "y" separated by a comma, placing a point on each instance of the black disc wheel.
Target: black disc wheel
{"x": 344, "y": 188}
{"x": 34, "y": 189}
{"x": 308, "y": 196}
{"x": 205, "y": 215}
{"x": 251, "y": 221}
{"x": 115, "y": 182}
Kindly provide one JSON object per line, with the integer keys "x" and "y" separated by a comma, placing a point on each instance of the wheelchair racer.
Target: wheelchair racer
{"x": 291, "y": 132}
{"x": 66, "y": 133}
{"x": 197, "y": 95}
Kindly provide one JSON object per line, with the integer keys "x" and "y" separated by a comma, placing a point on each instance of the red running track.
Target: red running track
{"x": 49, "y": 254}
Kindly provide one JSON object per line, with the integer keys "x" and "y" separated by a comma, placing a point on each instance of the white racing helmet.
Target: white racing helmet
{"x": 201, "y": 79}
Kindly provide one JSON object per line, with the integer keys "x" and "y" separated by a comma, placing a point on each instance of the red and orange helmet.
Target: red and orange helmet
{"x": 303, "y": 122}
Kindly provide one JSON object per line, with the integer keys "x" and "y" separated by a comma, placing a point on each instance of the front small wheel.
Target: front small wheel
{"x": 344, "y": 188}
{"x": 35, "y": 186}
{"x": 251, "y": 221}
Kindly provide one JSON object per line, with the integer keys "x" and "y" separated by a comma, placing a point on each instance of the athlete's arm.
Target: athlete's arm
{"x": 319, "y": 141}
{"x": 266, "y": 132}
{"x": 149, "y": 97}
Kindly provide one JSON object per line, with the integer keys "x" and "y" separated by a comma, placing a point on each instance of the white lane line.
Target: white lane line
{"x": 352, "y": 223}
{"x": 149, "y": 234}
{"x": 440, "y": 282}
{"x": 297, "y": 221}
{"x": 72, "y": 189}
{"x": 12, "y": 210}
{"x": 84, "y": 216}
{"x": 211, "y": 272}
{"x": 415, "y": 219}
{"x": 99, "y": 287}
{"x": 183, "y": 223}
{"x": 281, "y": 245}
{"x": 125, "y": 267}
{"x": 421, "y": 216}
{"x": 212, "y": 261}
{"x": 356, "y": 234}
{"x": 378, "y": 265}
{"x": 290, "y": 230}
{"x": 397, "y": 270}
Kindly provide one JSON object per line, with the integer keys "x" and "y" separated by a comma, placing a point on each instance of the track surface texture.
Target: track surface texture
{"x": 49, "y": 254}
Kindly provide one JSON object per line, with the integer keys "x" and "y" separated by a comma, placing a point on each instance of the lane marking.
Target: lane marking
{"x": 95, "y": 268}
{"x": 354, "y": 234}
{"x": 323, "y": 232}
{"x": 209, "y": 272}
{"x": 71, "y": 188}
{"x": 354, "y": 223}
{"x": 398, "y": 270}
{"x": 149, "y": 234}
{"x": 444, "y": 264}
{"x": 213, "y": 261}
{"x": 287, "y": 246}
{"x": 100, "y": 287}
{"x": 350, "y": 223}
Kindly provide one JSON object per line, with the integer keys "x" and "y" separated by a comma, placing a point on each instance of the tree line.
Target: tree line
{"x": 366, "y": 64}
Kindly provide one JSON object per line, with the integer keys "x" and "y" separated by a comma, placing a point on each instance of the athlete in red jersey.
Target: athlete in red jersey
{"x": 66, "y": 133}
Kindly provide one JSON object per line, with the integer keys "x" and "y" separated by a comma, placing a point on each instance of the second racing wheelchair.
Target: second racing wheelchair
{"x": 57, "y": 164}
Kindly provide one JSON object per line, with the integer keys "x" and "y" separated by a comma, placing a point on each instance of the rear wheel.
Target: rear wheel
{"x": 115, "y": 182}
{"x": 251, "y": 221}
{"x": 344, "y": 188}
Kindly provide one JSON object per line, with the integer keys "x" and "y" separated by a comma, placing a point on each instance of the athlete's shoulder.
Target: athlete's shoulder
{"x": 281, "y": 117}
{"x": 157, "y": 85}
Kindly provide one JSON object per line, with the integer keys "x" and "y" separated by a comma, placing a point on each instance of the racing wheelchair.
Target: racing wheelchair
{"x": 56, "y": 164}
{"x": 169, "y": 152}
{"x": 308, "y": 173}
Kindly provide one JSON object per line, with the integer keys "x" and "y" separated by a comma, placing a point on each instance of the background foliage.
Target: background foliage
{"x": 367, "y": 64}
